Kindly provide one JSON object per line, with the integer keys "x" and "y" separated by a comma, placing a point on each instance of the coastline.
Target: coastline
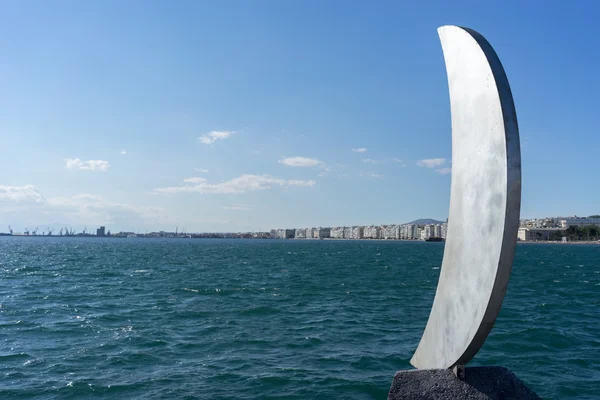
{"x": 556, "y": 242}
{"x": 299, "y": 239}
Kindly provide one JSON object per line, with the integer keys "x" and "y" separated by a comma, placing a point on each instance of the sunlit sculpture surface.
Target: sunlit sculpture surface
{"x": 485, "y": 202}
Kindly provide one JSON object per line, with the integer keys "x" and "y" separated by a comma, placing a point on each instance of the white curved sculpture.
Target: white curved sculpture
{"x": 485, "y": 202}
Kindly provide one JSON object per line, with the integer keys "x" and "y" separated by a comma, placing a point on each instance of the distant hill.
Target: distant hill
{"x": 425, "y": 221}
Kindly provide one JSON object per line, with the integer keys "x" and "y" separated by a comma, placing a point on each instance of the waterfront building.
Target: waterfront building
{"x": 389, "y": 232}
{"x": 286, "y": 233}
{"x": 409, "y": 232}
{"x": 543, "y": 223}
{"x": 428, "y": 232}
{"x": 372, "y": 232}
{"x": 537, "y": 234}
{"x": 347, "y": 232}
{"x": 358, "y": 232}
{"x": 403, "y": 231}
{"x": 300, "y": 234}
{"x": 386, "y": 232}
{"x": 444, "y": 230}
{"x": 324, "y": 233}
{"x": 397, "y": 231}
{"x": 101, "y": 231}
{"x": 579, "y": 221}
{"x": 337, "y": 232}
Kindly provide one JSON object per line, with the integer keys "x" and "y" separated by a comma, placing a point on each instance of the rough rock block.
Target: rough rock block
{"x": 496, "y": 383}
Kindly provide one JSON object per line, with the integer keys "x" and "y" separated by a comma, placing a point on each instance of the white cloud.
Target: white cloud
{"x": 360, "y": 150}
{"x": 431, "y": 162}
{"x": 237, "y": 207}
{"x": 21, "y": 194}
{"x": 95, "y": 210}
{"x": 371, "y": 175}
{"x": 201, "y": 170}
{"x": 295, "y": 182}
{"x": 196, "y": 179}
{"x": 371, "y": 161}
{"x": 382, "y": 161}
{"x": 444, "y": 171}
{"x": 324, "y": 171}
{"x": 213, "y": 136}
{"x": 242, "y": 184}
{"x": 123, "y": 152}
{"x": 90, "y": 165}
{"x": 335, "y": 170}
{"x": 300, "y": 162}
{"x": 25, "y": 205}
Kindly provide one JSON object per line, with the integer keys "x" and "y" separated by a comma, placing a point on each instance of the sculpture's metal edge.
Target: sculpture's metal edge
{"x": 513, "y": 200}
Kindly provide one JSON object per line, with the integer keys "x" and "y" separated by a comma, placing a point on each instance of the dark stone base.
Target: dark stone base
{"x": 496, "y": 383}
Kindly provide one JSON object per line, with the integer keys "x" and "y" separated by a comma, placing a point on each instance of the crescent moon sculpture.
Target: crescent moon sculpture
{"x": 485, "y": 202}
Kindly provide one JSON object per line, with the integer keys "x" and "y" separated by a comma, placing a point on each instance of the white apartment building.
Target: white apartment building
{"x": 536, "y": 234}
{"x": 428, "y": 231}
{"x": 387, "y": 232}
{"x": 337, "y": 233}
{"x": 372, "y": 232}
{"x": 409, "y": 232}
{"x": 358, "y": 232}
{"x": 444, "y": 231}
{"x": 582, "y": 221}
{"x": 347, "y": 232}
{"x": 323, "y": 233}
{"x": 286, "y": 233}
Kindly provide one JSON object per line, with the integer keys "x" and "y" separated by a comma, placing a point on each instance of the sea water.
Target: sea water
{"x": 244, "y": 319}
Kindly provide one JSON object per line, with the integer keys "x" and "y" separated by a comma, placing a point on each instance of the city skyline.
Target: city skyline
{"x": 147, "y": 116}
{"x": 554, "y": 222}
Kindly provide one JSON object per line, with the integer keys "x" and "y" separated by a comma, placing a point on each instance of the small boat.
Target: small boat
{"x": 434, "y": 239}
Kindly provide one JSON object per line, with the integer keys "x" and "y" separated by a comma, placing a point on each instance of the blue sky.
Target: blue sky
{"x": 265, "y": 108}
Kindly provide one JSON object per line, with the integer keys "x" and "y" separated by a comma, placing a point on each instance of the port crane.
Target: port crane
{"x": 34, "y": 232}
{"x": 10, "y": 229}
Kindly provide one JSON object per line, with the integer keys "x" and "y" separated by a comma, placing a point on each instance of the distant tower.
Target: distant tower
{"x": 101, "y": 231}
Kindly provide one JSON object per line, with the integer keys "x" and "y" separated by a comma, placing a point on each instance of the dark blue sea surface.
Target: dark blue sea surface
{"x": 246, "y": 319}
